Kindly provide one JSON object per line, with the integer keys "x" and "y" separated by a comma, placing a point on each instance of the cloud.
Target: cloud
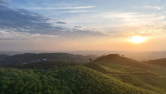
{"x": 143, "y": 31}
{"x": 24, "y": 36}
{"x": 152, "y": 7}
{"x": 140, "y": 33}
{"x": 73, "y": 11}
{"x": 77, "y": 27}
{"x": 61, "y": 22}
{"x": 2, "y": 2}
{"x": 58, "y": 8}
{"x": 22, "y": 20}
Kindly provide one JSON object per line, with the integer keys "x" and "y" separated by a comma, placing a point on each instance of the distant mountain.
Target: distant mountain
{"x": 158, "y": 62}
{"x": 27, "y": 58}
{"x": 2, "y": 56}
{"x": 144, "y": 56}
{"x": 11, "y": 52}
{"x": 137, "y": 55}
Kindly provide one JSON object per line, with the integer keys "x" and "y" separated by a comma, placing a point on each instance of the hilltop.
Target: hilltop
{"x": 121, "y": 60}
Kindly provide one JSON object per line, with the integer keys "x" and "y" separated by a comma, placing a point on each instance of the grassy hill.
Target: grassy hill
{"x": 133, "y": 76}
{"x": 137, "y": 77}
{"x": 111, "y": 74}
{"x": 97, "y": 67}
{"x": 108, "y": 68}
{"x": 133, "y": 72}
{"x": 120, "y": 60}
{"x": 67, "y": 80}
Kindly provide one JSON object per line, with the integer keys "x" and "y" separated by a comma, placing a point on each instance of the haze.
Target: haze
{"x": 69, "y": 25}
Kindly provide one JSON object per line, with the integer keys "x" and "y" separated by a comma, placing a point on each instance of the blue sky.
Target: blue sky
{"x": 78, "y": 24}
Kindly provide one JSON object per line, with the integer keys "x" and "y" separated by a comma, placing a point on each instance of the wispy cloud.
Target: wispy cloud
{"x": 58, "y": 8}
{"x": 137, "y": 18}
{"x": 25, "y": 21}
{"x": 128, "y": 14}
{"x": 23, "y": 36}
{"x": 73, "y": 11}
{"x": 142, "y": 31}
{"x": 153, "y": 7}
{"x": 61, "y": 22}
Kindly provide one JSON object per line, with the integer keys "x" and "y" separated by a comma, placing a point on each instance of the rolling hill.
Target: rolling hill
{"x": 110, "y": 74}
{"x": 121, "y": 60}
{"x": 67, "y": 80}
{"x": 158, "y": 62}
{"x": 133, "y": 76}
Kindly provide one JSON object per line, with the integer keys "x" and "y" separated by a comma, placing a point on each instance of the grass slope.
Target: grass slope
{"x": 127, "y": 69}
{"x": 100, "y": 68}
{"x": 142, "y": 82}
{"x": 136, "y": 77}
{"x": 130, "y": 62}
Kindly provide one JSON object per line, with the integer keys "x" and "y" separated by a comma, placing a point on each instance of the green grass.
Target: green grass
{"x": 133, "y": 63}
{"x": 142, "y": 82}
{"x": 137, "y": 77}
{"x": 126, "y": 69}
{"x": 101, "y": 69}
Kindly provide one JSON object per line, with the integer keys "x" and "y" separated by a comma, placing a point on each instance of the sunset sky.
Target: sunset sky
{"x": 68, "y": 25}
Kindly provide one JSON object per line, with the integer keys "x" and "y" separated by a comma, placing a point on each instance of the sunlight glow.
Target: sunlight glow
{"x": 137, "y": 39}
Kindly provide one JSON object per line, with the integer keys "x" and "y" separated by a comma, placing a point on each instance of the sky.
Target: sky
{"x": 70, "y": 25}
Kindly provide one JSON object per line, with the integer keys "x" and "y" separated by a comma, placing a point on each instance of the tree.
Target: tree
{"x": 90, "y": 60}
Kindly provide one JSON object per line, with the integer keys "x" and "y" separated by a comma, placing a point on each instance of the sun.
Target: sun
{"x": 137, "y": 39}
